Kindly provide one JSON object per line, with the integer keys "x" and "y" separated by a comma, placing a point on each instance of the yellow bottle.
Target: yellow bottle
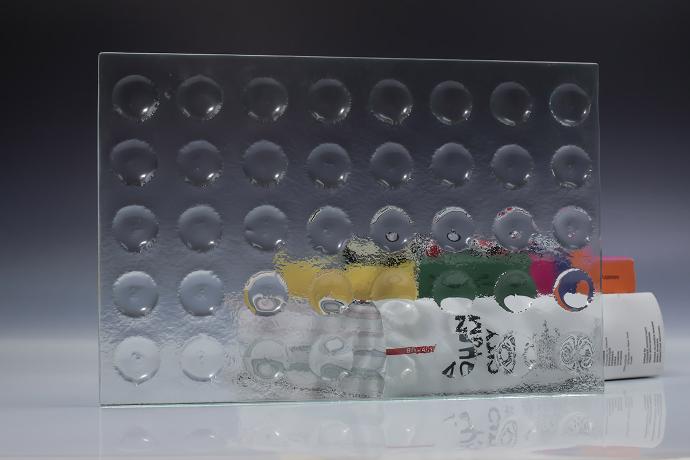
{"x": 330, "y": 290}
{"x": 362, "y": 279}
{"x": 300, "y": 274}
{"x": 330, "y": 293}
{"x": 395, "y": 283}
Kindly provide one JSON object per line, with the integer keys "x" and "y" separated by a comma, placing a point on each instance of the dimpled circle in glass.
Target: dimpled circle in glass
{"x": 573, "y": 290}
{"x": 266, "y": 293}
{"x": 451, "y": 102}
{"x": 452, "y": 164}
{"x": 134, "y": 162}
{"x": 571, "y": 166}
{"x": 572, "y": 227}
{"x": 331, "y": 292}
{"x": 267, "y": 359}
{"x": 265, "y": 163}
{"x": 512, "y": 165}
{"x": 391, "y": 228}
{"x": 329, "y": 165}
{"x": 135, "y": 97}
{"x": 390, "y": 101}
{"x": 135, "y": 228}
{"x": 266, "y": 227}
{"x": 201, "y": 293}
{"x": 391, "y": 164}
{"x": 452, "y": 228}
{"x": 202, "y": 358}
{"x": 329, "y": 100}
{"x": 569, "y": 104}
{"x": 135, "y": 294}
{"x": 515, "y": 290}
{"x": 199, "y": 97}
{"x": 137, "y": 359}
{"x": 511, "y": 103}
{"x": 454, "y": 284}
{"x": 200, "y": 163}
{"x": 329, "y": 229}
{"x": 513, "y": 228}
{"x": 265, "y": 99}
{"x": 200, "y": 228}
{"x": 330, "y": 357}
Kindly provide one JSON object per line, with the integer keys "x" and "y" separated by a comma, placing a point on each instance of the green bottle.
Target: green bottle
{"x": 515, "y": 283}
{"x": 454, "y": 283}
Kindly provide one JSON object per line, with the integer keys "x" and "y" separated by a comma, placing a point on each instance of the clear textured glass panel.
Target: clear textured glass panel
{"x": 297, "y": 228}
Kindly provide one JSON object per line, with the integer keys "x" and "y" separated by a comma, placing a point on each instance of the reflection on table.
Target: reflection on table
{"x": 625, "y": 419}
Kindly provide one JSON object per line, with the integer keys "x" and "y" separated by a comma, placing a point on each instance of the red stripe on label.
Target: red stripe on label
{"x": 411, "y": 350}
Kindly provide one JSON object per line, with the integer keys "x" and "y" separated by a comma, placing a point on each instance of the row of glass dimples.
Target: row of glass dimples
{"x": 329, "y": 101}
{"x": 329, "y": 228}
{"x": 328, "y": 165}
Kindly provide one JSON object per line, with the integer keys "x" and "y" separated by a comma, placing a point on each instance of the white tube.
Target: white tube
{"x": 633, "y": 336}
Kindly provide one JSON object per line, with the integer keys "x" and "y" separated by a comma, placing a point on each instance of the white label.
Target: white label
{"x": 633, "y": 336}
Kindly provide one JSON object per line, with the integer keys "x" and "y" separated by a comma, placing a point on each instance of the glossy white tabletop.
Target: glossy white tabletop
{"x": 634, "y": 418}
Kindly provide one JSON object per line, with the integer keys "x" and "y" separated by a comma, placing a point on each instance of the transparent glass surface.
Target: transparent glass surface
{"x": 462, "y": 261}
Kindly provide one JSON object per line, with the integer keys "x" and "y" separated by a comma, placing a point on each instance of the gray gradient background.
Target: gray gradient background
{"x": 48, "y": 208}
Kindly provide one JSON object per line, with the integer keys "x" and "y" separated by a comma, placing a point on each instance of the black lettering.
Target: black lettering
{"x": 490, "y": 335}
{"x": 461, "y": 323}
{"x": 477, "y": 324}
{"x": 491, "y": 366}
{"x": 448, "y": 371}
{"x": 465, "y": 368}
{"x": 467, "y": 353}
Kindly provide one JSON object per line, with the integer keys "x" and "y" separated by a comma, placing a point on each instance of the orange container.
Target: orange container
{"x": 617, "y": 273}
